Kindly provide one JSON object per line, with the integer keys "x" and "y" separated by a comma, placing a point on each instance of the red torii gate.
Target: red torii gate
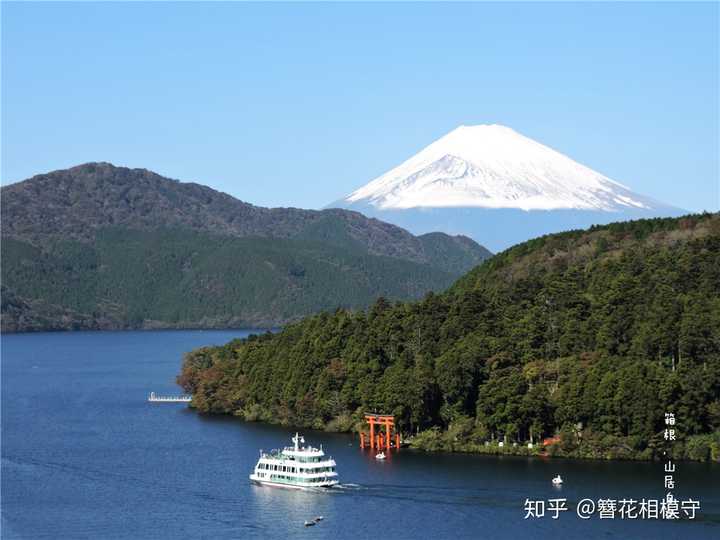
{"x": 386, "y": 420}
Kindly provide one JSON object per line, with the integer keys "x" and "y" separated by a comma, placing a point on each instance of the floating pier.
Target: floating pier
{"x": 169, "y": 399}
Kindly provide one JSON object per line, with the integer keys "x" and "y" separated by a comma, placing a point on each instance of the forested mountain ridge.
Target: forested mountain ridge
{"x": 590, "y": 335}
{"x": 99, "y": 246}
{"x": 74, "y": 203}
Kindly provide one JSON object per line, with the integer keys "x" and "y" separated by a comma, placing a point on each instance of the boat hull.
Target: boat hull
{"x": 261, "y": 482}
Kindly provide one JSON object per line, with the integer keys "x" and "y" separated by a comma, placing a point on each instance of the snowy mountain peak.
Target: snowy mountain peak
{"x": 493, "y": 166}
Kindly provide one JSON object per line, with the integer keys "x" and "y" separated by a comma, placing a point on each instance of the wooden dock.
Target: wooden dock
{"x": 153, "y": 398}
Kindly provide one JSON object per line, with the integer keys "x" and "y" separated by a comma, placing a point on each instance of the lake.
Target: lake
{"x": 84, "y": 455}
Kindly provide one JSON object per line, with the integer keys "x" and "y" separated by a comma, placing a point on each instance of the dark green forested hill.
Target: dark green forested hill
{"x": 590, "y": 335}
{"x": 99, "y": 246}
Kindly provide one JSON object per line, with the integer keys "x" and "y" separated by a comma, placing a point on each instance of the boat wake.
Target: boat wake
{"x": 445, "y": 495}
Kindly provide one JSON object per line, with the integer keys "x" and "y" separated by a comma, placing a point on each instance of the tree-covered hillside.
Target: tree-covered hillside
{"x": 175, "y": 278}
{"x": 590, "y": 335}
{"x": 99, "y": 246}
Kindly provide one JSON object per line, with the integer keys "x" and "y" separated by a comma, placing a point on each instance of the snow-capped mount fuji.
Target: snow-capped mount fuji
{"x": 499, "y": 187}
{"x": 492, "y": 166}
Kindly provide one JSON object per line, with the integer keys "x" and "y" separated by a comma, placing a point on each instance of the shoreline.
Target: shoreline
{"x": 251, "y": 329}
{"x": 519, "y": 451}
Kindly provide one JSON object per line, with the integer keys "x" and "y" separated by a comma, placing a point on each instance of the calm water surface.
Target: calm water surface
{"x": 85, "y": 456}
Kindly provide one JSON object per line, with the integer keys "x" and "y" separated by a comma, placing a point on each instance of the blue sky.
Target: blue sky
{"x": 299, "y": 104}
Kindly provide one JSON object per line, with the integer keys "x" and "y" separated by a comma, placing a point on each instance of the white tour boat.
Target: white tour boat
{"x": 296, "y": 467}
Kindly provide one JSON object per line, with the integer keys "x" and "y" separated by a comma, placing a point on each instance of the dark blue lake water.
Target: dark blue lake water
{"x": 84, "y": 455}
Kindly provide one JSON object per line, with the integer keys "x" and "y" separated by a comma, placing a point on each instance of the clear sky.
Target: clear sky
{"x": 299, "y": 104}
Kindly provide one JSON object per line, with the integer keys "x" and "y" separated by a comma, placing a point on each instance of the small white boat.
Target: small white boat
{"x": 310, "y": 523}
{"x": 557, "y": 480}
{"x": 318, "y": 518}
{"x": 380, "y": 456}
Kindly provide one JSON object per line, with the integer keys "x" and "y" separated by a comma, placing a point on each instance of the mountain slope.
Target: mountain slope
{"x": 477, "y": 175}
{"x": 76, "y": 202}
{"x": 591, "y": 335}
{"x": 99, "y": 246}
